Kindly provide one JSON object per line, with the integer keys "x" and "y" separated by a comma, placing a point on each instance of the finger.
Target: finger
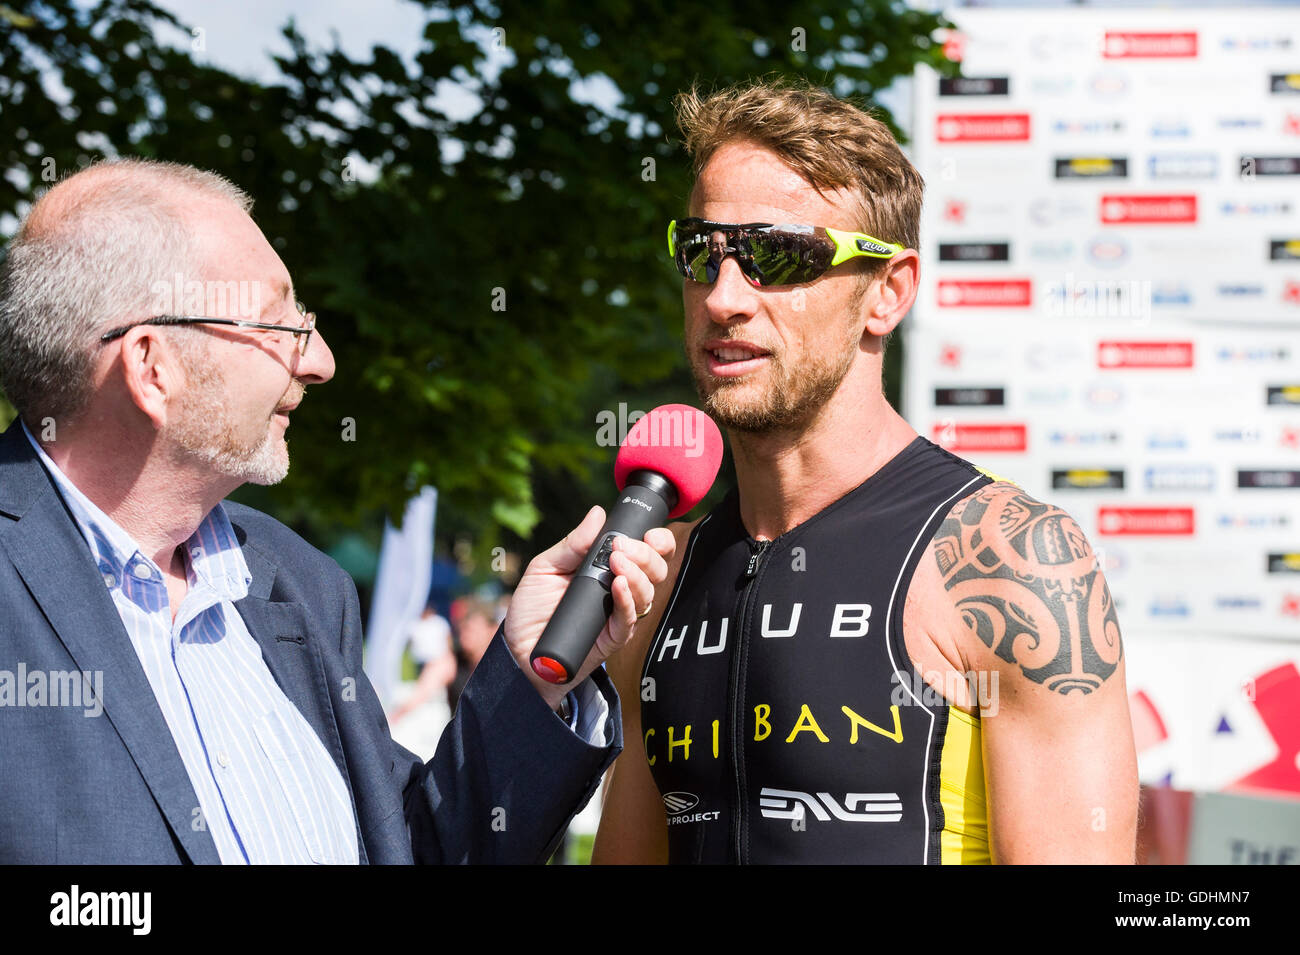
{"x": 662, "y": 540}
{"x": 564, "y": 557}
{"x": 644, "y": 556}
{"x": 623, "y": 618}
{"x": 643, "y": 590}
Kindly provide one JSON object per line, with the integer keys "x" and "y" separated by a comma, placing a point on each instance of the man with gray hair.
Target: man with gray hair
{"x": 152, "y": 344}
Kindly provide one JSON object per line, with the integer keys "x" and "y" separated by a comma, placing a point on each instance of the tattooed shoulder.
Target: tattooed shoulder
{"x": 1026, "y": 584}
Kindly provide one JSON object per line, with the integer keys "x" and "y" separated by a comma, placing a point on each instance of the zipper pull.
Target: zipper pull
{"x": 757, "y": 550}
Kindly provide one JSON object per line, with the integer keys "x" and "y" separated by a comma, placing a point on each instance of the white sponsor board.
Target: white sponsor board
{"x": 1109, "y": 316}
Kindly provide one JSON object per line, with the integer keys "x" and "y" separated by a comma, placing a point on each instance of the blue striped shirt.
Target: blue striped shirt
{"x": 268, "y": 791}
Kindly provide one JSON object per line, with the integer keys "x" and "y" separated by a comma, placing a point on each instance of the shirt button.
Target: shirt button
{"x": 223, "y": 759}
{"x": 196, "y": 552}
{"x": 142, "y": 571}
{"x": 110, "y": 581}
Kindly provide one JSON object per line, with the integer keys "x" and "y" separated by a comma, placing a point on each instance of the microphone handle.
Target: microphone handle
{"x": 645, "y": 502}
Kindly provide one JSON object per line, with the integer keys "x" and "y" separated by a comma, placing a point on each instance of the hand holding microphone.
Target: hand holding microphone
{"x": 578, "y": 602}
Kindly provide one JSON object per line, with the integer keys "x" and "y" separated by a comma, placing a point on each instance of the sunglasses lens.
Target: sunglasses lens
{"x": 781, "y": 255}
{"x": 693, "y": 252}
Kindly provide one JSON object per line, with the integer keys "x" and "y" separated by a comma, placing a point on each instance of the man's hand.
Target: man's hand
{"x": 638, "y": 566}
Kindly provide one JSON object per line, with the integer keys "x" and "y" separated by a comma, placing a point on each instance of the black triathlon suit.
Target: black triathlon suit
{"x": 782, "y": 717}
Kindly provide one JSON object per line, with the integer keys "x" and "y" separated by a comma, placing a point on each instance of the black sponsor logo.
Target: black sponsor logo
{"x": 983, "y": 397}
{"x": 1284, "y": 83}
{"x": 1270, "y": 166}
{"x": 1087, "y": 479}
{"x": 1284, "y": 395}
{"x": 974, "y": 86}
{"x": 1284, "y": 563}
{"x": 1286, "y": 250}
{"x": 1271, "y": 478}
{"x": 974, "y": 251}
{"x": 1092, "y": 167}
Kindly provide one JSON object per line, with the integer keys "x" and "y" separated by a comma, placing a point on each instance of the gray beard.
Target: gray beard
{"x": 204, "y": 432}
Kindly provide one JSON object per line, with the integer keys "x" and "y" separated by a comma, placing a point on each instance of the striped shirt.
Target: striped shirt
{"x": 268, "y": 792}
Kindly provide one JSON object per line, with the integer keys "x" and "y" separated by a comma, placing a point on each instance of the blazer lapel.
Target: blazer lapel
{"x": 54, "y": 561}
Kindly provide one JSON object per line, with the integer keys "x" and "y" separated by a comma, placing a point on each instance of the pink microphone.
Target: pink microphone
{"x": 665, "y": 467}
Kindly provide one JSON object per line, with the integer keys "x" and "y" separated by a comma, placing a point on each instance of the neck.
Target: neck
{"x": 136, "y": 479}
{"x": 786, "y": 477}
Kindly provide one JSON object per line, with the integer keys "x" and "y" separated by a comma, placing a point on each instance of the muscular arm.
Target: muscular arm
{"x": 633, "y": 827}
{"x": 1032, "y": 609}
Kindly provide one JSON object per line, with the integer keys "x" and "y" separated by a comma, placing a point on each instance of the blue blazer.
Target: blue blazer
{"x": 506, "y": 779}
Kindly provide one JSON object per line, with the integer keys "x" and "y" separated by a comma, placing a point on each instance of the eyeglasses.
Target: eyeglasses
{"x": 303, "y": 332}
{"x": 768, "y": 254}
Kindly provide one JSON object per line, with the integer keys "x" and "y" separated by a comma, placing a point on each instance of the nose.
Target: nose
{"x": 732, "y": 297}
{"x": 317, "y": 365}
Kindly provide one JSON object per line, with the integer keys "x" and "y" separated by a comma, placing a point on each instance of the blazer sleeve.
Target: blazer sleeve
{"x": 508, "y": 774}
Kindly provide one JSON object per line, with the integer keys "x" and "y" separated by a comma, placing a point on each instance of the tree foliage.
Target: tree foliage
{"x": 480, "y": 230}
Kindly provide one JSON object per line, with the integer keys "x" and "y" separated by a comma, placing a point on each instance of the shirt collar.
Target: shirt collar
{"x": 214, "y": 552}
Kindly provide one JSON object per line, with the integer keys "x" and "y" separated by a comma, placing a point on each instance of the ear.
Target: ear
{"x": 897, "y": 290}
{"x": 151, "y": 372}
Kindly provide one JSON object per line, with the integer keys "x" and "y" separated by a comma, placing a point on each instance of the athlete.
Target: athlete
{"x": 871, "y": 651}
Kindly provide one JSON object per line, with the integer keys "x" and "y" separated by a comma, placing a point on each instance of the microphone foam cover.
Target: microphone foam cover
{"x": 681, "y": 443}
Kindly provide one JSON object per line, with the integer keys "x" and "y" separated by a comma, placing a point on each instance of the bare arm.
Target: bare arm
{"x": 434, "y": 676}
{"x": 633, "y": 827}
{"x": 1033, "y": 611}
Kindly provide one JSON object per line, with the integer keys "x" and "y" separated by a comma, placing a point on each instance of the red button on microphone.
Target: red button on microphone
{"x": 550, "y": 670}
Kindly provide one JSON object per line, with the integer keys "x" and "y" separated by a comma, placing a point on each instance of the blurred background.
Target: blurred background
{"x": 473, "y": 198}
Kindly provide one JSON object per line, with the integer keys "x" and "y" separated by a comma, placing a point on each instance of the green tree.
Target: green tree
{"x": 480, "y": 231}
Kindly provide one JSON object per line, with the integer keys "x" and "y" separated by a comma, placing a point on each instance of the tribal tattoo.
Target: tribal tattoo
{"x": 1027, "y": 584}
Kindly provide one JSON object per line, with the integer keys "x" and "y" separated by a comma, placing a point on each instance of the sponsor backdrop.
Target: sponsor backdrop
{"x": 1110, "y": 317}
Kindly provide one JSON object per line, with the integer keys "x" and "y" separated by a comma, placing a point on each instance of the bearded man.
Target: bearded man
{"x": 871, "y": 651}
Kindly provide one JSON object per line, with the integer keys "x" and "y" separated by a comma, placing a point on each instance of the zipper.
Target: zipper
{"x": 757, "y": 550}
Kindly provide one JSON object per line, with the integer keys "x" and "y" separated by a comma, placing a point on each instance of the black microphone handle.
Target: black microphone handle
{"x": 644, "y": 502}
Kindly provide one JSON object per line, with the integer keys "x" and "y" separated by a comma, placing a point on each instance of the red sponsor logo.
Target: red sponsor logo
{"x": 1291, "y": 293}
{"x": 1291, "y": 126}
{"x": 1001, "y": 438}
{"x": 954, "y": 210}
{"x": 950, "y": 356}
{"x": 1123, "y": 45}
{"x": 1291, "y": 605}
{"x": 982, "y": 128}
{"x": 1146, "y": 520}
{"x": 1144, "y": 355}
{"x": 1139, "y": 209}
{"x": 984, "y": 293}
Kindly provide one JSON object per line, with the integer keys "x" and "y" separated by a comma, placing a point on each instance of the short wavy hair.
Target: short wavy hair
{"x": 831, "y": 142}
